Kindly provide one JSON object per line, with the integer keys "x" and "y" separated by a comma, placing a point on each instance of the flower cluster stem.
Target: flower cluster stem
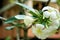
{"x": 42, "y": 39}
{"x": 18, "y": 33}
{"x": 25, "y": 34}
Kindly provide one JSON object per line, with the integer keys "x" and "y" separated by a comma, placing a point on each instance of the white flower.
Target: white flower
{"x": 28, "y": 20}
{"x": 47, "y": 0}
{"x": 37, "y": 30}
{"x": 43, "y": 33}
{"x": 50, "y": 12}
{"x": 55, "y": 23}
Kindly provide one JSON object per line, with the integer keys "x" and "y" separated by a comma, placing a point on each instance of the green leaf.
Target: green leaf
{"x": 34, "y": 12}
{"x": 25, "y": 6}
{"x": 20, "y": 17}
{"x": 37, "y": 14}
{"x": 12, "y": 1}
{"x": 40, "y": 11}
{"x": 15, "y": 18}
{"x": 10, "y": 20}
{"x": 9, "y": 28}
{"x": 8, "y": 38}
{"x": 58, "y": 2}
{"x": 59, "y": 26}
{"x": 20, "y": 25}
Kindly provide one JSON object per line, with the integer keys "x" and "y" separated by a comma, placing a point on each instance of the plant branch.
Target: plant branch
{"x": 42, "y": 39}
{"x": 31, "y": 24}
{"x": 48, "y": 2}
{"x": 18, "y": 33}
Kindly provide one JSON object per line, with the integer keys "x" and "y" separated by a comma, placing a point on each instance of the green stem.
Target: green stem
{"x": 25, "y": 34}
{"x": 42, "y": 39}
{"x": 18, "y": 33}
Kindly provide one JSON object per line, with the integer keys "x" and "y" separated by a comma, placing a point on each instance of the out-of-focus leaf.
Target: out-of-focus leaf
{"x": 20, "y": 25}
{"x": 15, "y": 18}
{"x": 34, "y": 12}
{"x": 9, "y": 28}
{"x": 20, "y": 17}
{"x": 8, "y": 38}
{"x": 10, "y": 20}
{"x": 25, "y": 6}
{"x": 58, "y": 2}
{"x": 12, "y": 1}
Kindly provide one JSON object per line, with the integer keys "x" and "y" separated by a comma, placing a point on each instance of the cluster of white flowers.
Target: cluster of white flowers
{"x": 40, "y": 30}
{"x": 50, "y": 12}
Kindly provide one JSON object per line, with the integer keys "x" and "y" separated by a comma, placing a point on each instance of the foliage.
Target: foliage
{"x": 58, "y": 2}
{"x": 8, "y": 38}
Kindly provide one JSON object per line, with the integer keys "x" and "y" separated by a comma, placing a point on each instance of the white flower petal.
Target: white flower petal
{"x": 28, "y": 20}
{"x": 37, "y": 31}
{"x": 55, "y": 23}
{"x": 40, "y": 26}
{"x": 46, "y": 8}
{"x": 53, "y": 16}
{"x": 46, "y": 14}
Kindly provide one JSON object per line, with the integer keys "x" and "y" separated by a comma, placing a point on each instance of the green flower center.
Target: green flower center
{"x": 39, "y": 31}
{"x": 49, "y": 10}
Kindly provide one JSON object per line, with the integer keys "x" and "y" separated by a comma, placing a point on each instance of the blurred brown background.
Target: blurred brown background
{"x": 16, "y": 10}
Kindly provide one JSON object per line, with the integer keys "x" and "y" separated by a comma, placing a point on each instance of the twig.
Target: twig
{"x": 48, "y": 2}
{"x": 45, "y": 4}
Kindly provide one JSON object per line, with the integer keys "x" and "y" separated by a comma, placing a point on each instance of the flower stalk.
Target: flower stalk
{"x": 18, "y": 33}
{"x": 25, "y": 34}
{"x": 42, "y": 39}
